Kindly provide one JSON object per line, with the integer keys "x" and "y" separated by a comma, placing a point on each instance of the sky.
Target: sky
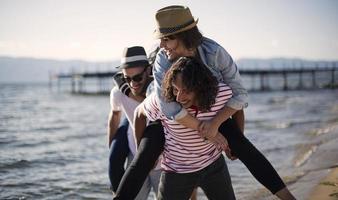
{"x": 98, "y": 30}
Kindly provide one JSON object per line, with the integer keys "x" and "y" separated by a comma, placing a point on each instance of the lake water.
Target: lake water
{"x": 53, "y": 144}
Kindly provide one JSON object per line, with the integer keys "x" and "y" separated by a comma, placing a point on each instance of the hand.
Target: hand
{"x": 220, "y": 142}
{"x": 230, "y": 156}
{"x": 207, "y": 129}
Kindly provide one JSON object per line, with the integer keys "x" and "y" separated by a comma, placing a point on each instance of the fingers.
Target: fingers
{"x": 201, "y": 126}
{"x": 228, "y": 154}
{"x": 220, "y": 141}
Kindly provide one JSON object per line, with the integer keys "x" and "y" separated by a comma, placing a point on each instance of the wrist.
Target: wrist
{"x": 216, "y": 122}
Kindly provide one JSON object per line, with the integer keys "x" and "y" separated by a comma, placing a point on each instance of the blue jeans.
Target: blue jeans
{"x": 214, "y": 180}
{"x": 118, "y": 154}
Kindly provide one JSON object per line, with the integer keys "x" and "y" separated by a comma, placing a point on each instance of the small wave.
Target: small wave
{"x": 56, "y": 128}
{"x": 320, "y": 131}
{"x": 272, "y": 125}
{"x": 278, "y": 100}
{"x": 304, "y": 154}
{"x": 280, "y": 125}
{"x": 270, "y": 149}
{"x": 32, "y": 143}
{"x": 15, "y": 164}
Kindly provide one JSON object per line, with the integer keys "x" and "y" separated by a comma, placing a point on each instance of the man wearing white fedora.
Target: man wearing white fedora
{"x": 129, "y": 91}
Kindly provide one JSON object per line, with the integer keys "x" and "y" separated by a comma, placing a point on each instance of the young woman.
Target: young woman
{"x": 188, "y": 159}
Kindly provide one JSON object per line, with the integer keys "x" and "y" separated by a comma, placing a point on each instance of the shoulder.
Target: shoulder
{"x": 162, "y": 62}
{"x": 224, "y": 89}
{"x": 210, "y": 46}
{"x": 120, "y": 83}
{"x": 150, "y": 100}
{"x": 115, "y": 93}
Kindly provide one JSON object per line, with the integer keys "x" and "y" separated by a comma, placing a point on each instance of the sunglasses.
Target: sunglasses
{"x": 137, "y": 78}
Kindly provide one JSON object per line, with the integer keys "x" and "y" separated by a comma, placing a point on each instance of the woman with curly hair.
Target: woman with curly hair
{"x": 188, "y": 160}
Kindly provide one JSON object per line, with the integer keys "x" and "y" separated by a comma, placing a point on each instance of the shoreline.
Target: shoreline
{"x": 320, "y": 178}
{"x": 315, "y": 177}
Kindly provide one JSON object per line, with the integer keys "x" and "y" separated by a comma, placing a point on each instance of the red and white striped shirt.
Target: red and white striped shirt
{"x": 185, "y": 150}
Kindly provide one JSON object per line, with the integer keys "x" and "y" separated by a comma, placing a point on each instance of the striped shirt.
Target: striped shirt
{"x": 185, "y": 151}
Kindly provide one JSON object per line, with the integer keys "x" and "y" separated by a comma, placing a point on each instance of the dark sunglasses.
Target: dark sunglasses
{"x": 137, "y": 78}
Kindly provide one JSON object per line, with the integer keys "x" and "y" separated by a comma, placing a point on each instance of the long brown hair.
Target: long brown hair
{"x": 196, "y": 77}
{"x": 191, "y": 38}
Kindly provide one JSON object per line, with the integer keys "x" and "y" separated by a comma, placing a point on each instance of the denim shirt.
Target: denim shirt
{"x": 219, "y": 63}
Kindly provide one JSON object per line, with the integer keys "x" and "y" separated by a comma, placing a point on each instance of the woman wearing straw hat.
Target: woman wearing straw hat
{"x": 180, "y": 37}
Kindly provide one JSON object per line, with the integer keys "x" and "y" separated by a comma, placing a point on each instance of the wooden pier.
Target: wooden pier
{"x": 291, "y": 79}
{"x": 254, "y": 80}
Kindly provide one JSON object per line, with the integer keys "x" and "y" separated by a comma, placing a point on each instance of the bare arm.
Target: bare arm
{"x": 140, "y": 121}
{"x": 113, "y": 123}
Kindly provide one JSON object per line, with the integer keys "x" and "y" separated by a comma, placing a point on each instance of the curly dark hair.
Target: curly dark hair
{"x": 196, "y": 77}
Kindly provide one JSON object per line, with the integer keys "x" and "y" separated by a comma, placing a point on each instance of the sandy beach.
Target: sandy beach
{"x": 327, "y": 189}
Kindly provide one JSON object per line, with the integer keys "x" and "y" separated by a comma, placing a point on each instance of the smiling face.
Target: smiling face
{"x": 174, "y": 48}
{"x": 183, "y": 96}
{"x": 137, "y": 78}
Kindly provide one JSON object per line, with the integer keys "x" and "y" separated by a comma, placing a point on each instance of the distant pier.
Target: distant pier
{"x": 285, "y": 79}
{"x": 291, "y": 79}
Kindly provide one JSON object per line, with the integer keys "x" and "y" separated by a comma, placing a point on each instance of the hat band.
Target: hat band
{"x": 174, "y": 29}
{"x": 133, "y": 59}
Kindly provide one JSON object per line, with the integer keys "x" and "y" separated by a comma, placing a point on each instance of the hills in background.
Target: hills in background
{"x": 38, "y": 70}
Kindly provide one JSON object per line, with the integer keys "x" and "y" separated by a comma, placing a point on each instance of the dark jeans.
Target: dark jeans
{"x": 214, "y": 180}
{"x": 118, "y": 154}
{"x": 240, "y": 146}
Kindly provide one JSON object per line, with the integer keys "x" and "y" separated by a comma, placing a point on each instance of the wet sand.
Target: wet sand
{"x": 327, "y": 189}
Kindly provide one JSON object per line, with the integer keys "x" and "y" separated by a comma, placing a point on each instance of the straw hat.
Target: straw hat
{"x": 173, "y": 19}
{"x": 133, "y": 57}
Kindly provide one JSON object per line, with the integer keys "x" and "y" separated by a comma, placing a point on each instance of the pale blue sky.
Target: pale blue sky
{"x": 98, "y": 30}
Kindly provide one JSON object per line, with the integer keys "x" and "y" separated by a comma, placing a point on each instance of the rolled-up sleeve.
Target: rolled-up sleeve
{"x": 171, "y": 110}
{"x": 232, "y": 78}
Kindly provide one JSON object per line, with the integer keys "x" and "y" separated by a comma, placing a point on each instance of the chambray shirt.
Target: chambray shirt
{"x": 219, "y": 62}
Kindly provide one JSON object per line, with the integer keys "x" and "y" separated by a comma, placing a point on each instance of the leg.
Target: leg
{"x": 117, "y": 155}
{"x": 177, "y": 186}
{"x": 150, "y": 148}
{"x": 252, "y": 158}
{"x": 216, "y": 182}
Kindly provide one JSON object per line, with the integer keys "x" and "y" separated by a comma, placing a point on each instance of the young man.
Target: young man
{"x": 188, "y": 159}
{"x": 128, "y": 93}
